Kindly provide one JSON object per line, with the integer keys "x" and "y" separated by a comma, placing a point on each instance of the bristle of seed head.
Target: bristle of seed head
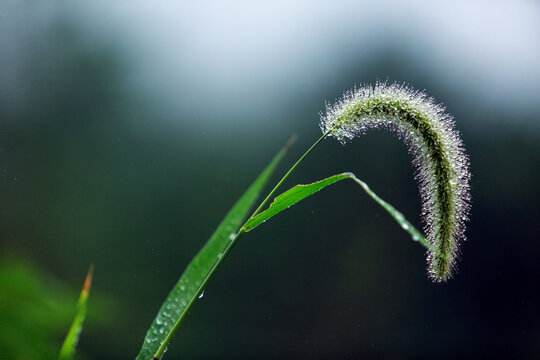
{"x": 439, "y": 157}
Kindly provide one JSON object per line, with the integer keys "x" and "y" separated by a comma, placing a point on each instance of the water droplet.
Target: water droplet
{"x": 161, "y": 331}
{"x": 415, "y": 237}
{"x": 182, "y": 287}
{"x": 405, "y": 226}
{"x": 232, "y": 236}
{"x": 202, "y": 294}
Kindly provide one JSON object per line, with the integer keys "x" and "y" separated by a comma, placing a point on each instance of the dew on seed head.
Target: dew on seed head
{"x": 435, "y": 144}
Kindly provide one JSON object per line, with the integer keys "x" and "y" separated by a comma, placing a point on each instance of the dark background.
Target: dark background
{"x": 127, "y": 130}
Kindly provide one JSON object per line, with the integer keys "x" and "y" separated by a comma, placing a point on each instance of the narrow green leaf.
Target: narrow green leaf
{"x": 289, "y": 198}
{"x": 193, "y": 280}
{"x": 70, "y": 343}
{"x": 300, "y": 192}
{"x": 400, "y": 219}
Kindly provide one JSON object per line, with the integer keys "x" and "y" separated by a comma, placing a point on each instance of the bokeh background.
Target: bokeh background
{"x": 129, "y": 128}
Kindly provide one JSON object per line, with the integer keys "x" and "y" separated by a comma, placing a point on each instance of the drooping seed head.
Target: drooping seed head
{"x": 442, "y": 166}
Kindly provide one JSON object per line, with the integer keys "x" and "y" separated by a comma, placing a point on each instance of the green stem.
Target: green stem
{"x": 265, "y": 201}
{"x": 242, "y": 231}
{"x": 159, "y": 353}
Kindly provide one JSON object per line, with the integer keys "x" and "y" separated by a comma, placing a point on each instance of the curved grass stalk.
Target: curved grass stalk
{"x": 442, "y": 172}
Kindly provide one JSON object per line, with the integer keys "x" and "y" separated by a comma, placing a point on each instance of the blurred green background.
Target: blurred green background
{"x": 128, "y": 129}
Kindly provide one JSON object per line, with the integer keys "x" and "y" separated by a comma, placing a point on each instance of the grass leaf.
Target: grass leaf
{"x": 289, "y": 198}
{"x": 70, "y": 343}
{"x": 199, "y": 271}
{"x": 300, "y": 192}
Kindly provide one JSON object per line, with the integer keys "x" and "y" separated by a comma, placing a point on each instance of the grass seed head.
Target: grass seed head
{"x": 439, "y": 157}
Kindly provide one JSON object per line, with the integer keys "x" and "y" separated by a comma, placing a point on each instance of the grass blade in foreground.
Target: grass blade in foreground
{"x": 198, "y": 272}
{"x": 72, "y": 338}
{"x": 300, "y": 192}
